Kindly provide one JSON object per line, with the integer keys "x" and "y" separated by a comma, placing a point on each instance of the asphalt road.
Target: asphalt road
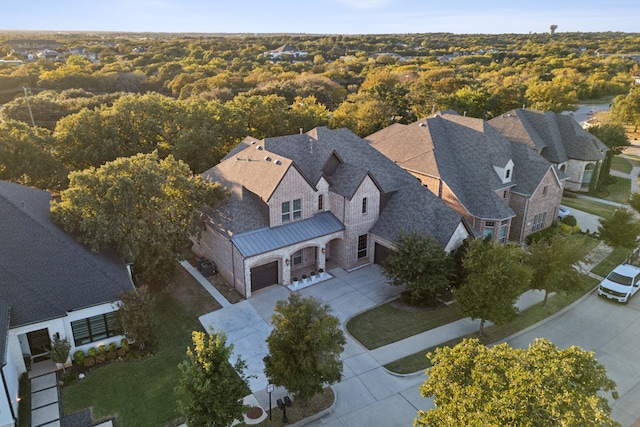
{"x": 612, "y": 331}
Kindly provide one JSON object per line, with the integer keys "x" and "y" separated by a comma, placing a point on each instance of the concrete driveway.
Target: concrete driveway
{"x": 612, "y": 331}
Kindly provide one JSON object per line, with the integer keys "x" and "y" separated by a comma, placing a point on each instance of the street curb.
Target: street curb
{"x": 547, "y": 319}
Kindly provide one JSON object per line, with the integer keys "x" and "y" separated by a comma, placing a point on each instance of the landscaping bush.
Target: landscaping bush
{"x": 92, "y": 352}
{"x": 78, "y": 357}
{"x": 89, "y": 361}
{"x": 570, "y": 220}
{"x": 124, "y": 343}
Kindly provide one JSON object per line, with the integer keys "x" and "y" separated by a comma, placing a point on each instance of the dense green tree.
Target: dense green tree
{"x": 135, "y": 313}
{"x": 551, "y": 95}
{"x": 614, "y": 137}
{"x": 143, "y": 206}
{"x": 496, "y": 276}
{"x": 621, "y": 230}
{"x": 626, "y": 108}
{"x": 304, "y": 347}
{"x": 634, "y": 201}
{"x": 209, "y": 390}
{"x": 26, "y": 156}
{"x": 421, "y": 265}
{"x": 553, "y": 264}
{"x": 543, "y": 386}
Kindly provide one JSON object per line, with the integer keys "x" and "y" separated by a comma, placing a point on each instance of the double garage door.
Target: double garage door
{"x": 264, "y": 275}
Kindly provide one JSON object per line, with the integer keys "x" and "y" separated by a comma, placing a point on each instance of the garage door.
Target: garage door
{"x": 381, "y": 253}
{"x": 264, "y": 275}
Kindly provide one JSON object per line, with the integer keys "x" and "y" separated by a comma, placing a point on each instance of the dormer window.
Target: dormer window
{"x": 320, "y": 202}
{"x": 507, "y": 174}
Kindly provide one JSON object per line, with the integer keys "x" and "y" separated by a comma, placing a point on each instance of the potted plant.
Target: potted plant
{"x": 60, "y": 349}
{"x": 304, "y": 279}
{"x": 313, "y": 275}
{"x": 321, "y": 273}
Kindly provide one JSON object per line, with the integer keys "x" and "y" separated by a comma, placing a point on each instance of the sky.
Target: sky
{"x": 322, "y": 16}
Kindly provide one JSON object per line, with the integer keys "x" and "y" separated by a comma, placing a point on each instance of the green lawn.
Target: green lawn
{"x": 620, "y": 190}
{"x": 141, "y": 393}
{"x": 596, "y": 208}
{"x": 621, "y": 164}
{"x": 387, "y": 323}
{"x": 418, "y": 361}
{"x": 609, "y": 263}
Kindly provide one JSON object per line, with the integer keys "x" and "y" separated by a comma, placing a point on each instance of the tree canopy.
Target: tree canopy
{"x": 136, "y": 317}
{"x": 621, "y": 230}
{"x": 421, "y": 265}
{"x": 209, "y": 390}
{"x": 553, "y": 263}
{"x": 496, "y": 276}
{"x": 543, "y": 386}
{"x": 304, "y": 347}
{"x": 143, "y": 206}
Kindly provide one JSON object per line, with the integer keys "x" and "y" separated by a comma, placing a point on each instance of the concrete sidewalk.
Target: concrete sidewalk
{"x": 368, "y": 394}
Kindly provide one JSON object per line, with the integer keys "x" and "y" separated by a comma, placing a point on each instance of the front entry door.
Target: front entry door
{"x": 39, "y": 342}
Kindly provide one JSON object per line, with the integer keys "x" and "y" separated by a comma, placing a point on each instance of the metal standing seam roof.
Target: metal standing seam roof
{"x": 268, "y": 239}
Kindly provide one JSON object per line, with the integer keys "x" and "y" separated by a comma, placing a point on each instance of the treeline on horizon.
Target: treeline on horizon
{"x": 196, "y": 96}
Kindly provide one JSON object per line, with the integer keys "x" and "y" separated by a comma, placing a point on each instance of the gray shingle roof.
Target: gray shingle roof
{"x": 557, "y": 137}
{"x": 310, "y": 153}
{"x": 462, "y": 151}
{"x": 268, "y": 239}
{"x": 44, "y": 272}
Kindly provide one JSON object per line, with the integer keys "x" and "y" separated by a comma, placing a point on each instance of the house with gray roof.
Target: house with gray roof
{"x": 317, "y": 200}
{"x": 503, "y": 189}
{"x": 50, "y": 285}
{"x": 559, "y": 139}
{"x": 285, "y": 49}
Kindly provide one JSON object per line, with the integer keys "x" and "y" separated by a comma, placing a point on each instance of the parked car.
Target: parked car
{"x": 621, "y": 284}
{"x": 563, "y": 212}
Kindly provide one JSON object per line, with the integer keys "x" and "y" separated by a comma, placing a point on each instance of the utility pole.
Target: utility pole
{"x": 26, "y": 96}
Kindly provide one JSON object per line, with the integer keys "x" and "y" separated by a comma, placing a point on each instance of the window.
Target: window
{"x": 95, "y": 328}
{"x": 286, "y": 212}
{"x": 362, "y": 246}
{"x": 507, "y": 174}
{"x": 504, "y": 195}
{"x": 364, "y": 205}
{"x": 297, "y": 209}
{"x": 297, "y": 258}
{"x": 544, "y": 190}
{"x": 502, "y": 234}
{"x": 538, "y": 221}
{"x": 320, "y": 204}
{"x": 488, "y": 229}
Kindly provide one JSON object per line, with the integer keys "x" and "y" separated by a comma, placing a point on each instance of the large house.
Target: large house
{"x": 503, "y": 189}
{"x": 312, "y": 201}
{"x": 559, "y": 139}
{"x": 286, "y": 50}
{"x": 50, "y": 286}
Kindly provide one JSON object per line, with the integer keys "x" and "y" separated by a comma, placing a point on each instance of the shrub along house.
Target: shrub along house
{"x": 503, "y": 189}
{"x": 50, "y": 285}
{"x": 306, "y": 202}
{"x": 560, "y": 140}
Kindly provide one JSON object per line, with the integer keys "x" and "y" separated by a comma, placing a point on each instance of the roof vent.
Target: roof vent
{"x": 277, "y": 162}
{"x": 259, "y": 147}
{"x": 423, "y": 125}
{"x": 267, "y": 158}
{"x": 253, "y": 142}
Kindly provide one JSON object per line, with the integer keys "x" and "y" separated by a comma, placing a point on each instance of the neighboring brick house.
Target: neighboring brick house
{"x": 49, "y": 285}
{"x": 559, "y": 139}
{"x": 313, "y": 201}
{"x": 502, "y": 189}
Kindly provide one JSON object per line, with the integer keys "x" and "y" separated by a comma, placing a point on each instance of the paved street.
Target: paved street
{"x": 612, "y": 331}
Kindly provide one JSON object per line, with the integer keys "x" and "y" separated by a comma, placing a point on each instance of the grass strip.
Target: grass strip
{"x": 389, "y": 323}
{"x": 418, "y": 361}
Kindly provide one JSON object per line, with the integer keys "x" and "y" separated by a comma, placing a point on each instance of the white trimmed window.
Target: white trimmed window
{"x": 297, "y": 209}
{"x": 286, "y": 212}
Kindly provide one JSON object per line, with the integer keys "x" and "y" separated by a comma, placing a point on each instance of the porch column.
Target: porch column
{"x": 322, "y": 258}
{"x": 286, "y": 270}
